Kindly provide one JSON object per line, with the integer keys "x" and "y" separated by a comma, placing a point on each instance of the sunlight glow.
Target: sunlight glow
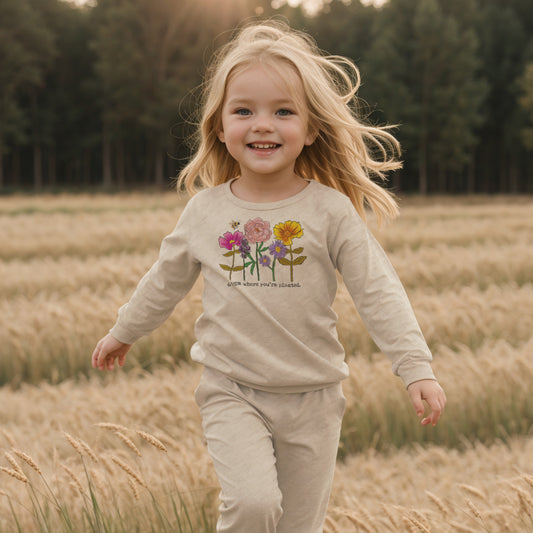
{"x": 314, "y": 6}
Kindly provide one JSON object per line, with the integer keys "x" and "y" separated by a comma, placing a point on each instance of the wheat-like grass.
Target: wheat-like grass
{"x": 112, "y": 427}
{"x": 475, "y": 511}
{"x": 353, "y": 518}
{"x": 152, "y": 440}
{"x": 14, "y": 463}
{"x": 528, "y": 479}
{"x": 9, "y": 437}
{"x": 128, "y": 470}
{"x": 74, "y": 478}
{"x": 134, "y": 489}
{"x": 83, "y": 234}
{"x": 88, "y": 450}
{"x": 28, "y": 460}
{"x": 415, "y": 524}
{"x": 473, "y": 490}
{"x": 468, "y": 271}
{"x": 15, "y": 473}
{"x": 128, "y": 442}
{"x": 438, "y": 502}
{"x": 462, "y": 527}
{"x": 73, "y": 442}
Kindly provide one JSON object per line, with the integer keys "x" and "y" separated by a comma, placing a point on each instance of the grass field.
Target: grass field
{"x": 124, "y": 452}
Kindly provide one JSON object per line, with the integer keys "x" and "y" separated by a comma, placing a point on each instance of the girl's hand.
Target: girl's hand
{"x": 107, "y": 350}
{"x": 431, "y": 392}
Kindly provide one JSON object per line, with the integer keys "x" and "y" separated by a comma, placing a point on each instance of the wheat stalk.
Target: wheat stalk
{"x": 13, "y": 473}
{"x": 329, "y": 523}
{"x": 9, "y": 437}
{"x": 73, "y": 442}
{"x": 528, "y": 479}
{"x": 352, "y": 517}
{"x": 462, "y": 527}
{"x": 152, "y": 440}
{"x": 27, "y": 459}
{"x": 128, "y": 442}
{"x": 99, "y": 481}
{"x": 14, "y": 463}
{"x": 88, "y": 450}
{"x": 128, "y": 470}
{"x": 133, "y": 488}
{"x": 112, "y": 427}
{"x": 438, "y": 502}
{"x": 411, "y": 521}
{"x": 525, "y": 499}
{"x": 475, "y": 511}
{"x": 73, "y": 476}
{"x": 473, "y": 490}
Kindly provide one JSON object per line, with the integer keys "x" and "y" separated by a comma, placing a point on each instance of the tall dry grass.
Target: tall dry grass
{"x": 376, "y": 490}
{"x": 69, "y": 262}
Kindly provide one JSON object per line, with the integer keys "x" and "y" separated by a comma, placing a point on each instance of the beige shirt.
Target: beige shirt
{"x": 269, "y": 284}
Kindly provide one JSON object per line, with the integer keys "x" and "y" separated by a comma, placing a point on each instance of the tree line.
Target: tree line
{"x": 104, "y": 96}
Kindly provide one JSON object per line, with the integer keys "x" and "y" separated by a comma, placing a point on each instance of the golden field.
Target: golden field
{"x": 77, "y": 448}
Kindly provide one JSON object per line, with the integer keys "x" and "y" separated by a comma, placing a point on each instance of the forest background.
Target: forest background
{"x": 102, "y": 96}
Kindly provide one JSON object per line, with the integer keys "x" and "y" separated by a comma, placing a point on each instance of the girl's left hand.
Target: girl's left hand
{"x": 107, "y": 350}
{"x": 431, "y": 392}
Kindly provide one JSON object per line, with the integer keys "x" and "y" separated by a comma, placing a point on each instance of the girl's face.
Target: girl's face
{"x": 264, "y": 124}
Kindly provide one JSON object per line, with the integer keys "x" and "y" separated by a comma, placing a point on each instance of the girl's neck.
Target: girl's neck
{"x": 267, "y": 190}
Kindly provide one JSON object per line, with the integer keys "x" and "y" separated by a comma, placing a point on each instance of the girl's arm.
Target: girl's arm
{"x": 386, "y": 311}
{"x": 161, "y": 288}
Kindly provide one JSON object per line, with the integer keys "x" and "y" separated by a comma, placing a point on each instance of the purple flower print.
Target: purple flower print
{"x": 229, "y": 240}
{"x": 278, "y": 249}
{"x": 244, "y": 248}
{"x": 264, "y": 260}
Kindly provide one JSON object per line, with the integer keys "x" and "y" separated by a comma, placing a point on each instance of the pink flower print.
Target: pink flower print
{"x": 229, "y": 240}
{"x": 257, "y": 230}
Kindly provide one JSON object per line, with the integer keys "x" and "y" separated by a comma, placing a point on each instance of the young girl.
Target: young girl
{"x": 287, "y": 170}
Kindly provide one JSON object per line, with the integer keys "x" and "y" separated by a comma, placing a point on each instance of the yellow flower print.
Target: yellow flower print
{"x": 286, "y": 231}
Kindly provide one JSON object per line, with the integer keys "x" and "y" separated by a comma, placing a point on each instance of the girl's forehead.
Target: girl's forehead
{"x": 282, "y": 75}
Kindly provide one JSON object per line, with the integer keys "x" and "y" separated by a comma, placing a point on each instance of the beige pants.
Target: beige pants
{"x": 274, "y": 454}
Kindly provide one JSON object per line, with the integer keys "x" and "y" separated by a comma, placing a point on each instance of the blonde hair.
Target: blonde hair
{"x": 346, "y": 153}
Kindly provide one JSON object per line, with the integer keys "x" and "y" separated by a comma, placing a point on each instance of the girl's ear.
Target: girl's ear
{"x": 221, "y": 137}
{"x": 312, "y": 134}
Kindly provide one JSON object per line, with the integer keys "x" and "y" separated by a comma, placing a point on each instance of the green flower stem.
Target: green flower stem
{"x": 257, "y": 261}
{"x": 232, "y": 262}
{"x": 292, "y": 258}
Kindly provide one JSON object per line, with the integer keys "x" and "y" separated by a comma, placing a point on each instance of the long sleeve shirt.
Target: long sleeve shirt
{"x": 270, "y": 280}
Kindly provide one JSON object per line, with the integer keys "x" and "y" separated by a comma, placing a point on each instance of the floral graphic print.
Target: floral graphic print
{"x": 232, "y": 242}
{"x": 286, "y": 232}
{"x": 257, "y": 232}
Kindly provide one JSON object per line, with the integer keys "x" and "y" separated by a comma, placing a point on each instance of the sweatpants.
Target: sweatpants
{"x": 274, "y": 454}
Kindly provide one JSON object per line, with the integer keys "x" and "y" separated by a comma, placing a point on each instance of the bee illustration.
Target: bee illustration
{"x": 235, "y": 224}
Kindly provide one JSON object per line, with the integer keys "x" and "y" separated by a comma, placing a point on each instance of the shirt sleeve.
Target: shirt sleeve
{"x": 166, "y": 283}
{"x": 380, "y": 298}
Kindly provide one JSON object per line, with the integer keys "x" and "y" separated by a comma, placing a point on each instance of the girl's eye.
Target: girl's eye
{"x": 243, "y": 112}
{"x": 284, "y": 112}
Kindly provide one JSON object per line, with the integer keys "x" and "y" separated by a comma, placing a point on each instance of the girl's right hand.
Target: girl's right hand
{"x": 107, "y": 350}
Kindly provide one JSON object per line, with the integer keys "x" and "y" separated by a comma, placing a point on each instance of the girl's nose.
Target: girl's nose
{"x": 262, "y": 123}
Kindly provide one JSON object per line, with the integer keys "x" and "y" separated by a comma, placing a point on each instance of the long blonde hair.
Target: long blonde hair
{"x": 346, "y": 153}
